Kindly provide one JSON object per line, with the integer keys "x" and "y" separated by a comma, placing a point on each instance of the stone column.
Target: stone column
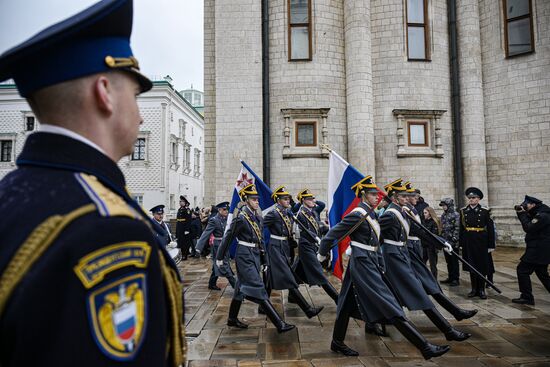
{"x": 359, "y": 99}
{"x": 471, "y": 96}
{"x": 209, "y": 102}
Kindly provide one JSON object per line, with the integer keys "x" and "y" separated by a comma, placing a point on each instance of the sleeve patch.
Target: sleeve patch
{"x": 92, "y": 268}
{"x": 117, "y": 313}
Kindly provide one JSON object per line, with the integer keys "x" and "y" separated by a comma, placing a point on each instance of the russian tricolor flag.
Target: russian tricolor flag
{"x": 341, "y": 200}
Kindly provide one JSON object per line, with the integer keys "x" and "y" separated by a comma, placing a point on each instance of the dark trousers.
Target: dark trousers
{"x": 453, "y": 267}
{"x": 524, "y": 271}
{"x": 430, "y": 254}
{"x": 184, "y": 243}
{"x": 342, "y": 321}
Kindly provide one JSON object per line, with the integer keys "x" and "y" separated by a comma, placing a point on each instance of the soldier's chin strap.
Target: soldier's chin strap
{"x": 444, "y": 244}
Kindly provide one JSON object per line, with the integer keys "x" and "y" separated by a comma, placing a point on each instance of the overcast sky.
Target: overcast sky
{"x": 167, "y": 37}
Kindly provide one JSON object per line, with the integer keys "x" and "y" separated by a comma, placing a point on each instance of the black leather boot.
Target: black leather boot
{"x": 331, "y": 291}
{"x": 443, "y": 325}
{"x": 291, "y": 298}
{"x": 274, "y": 317}
{"x": 309, "y": 310}
{"x": 232, "y": 320}
{"x": 375, "y": 329}
{"x": 473, "y": 280}
{"x": 458, "y": 313}
{"x": 427, "y": 349}
{"x": 340, "y": 347}
{"x": 481, "y": 289}
{"x": 232, "y": 281}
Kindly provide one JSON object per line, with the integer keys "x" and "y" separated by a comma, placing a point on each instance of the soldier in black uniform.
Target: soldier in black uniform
{"x": 306, "y": 267}
{"x": 158, "y": 216}
{"x": 405, "y": 281}
{"x": 477, "y": 239}
{"x": 183, "y": 227}
{"x": 535, "y": 220}
{"x": 250, "y": 261}
{"x": 85, "y": 280}
{"x": 216, "y": 227}
{"x": 365, "y": 293}
{"x": 280, "y": 274}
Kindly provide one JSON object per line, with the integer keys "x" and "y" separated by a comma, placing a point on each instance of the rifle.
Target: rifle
{"x": 442, "y": 242}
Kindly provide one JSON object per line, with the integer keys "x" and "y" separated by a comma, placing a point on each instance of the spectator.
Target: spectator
{"x": 429, "y": 252}
{"x": 450, "y": 230}
{"x": 535, "y": 220}
{"x": 420, "y": 205}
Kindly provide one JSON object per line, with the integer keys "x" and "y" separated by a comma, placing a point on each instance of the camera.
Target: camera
{"x": 519, "y": 208}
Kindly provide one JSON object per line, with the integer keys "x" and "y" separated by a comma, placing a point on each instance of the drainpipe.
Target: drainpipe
{"x": 266, "y": 164}
{"x": 455, "y": 103}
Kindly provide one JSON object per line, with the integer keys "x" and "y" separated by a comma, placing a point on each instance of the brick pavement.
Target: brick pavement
{"x": 503, "y": 334}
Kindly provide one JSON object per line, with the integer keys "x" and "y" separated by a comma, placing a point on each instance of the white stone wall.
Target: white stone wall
{"x": 517, "y": 115}
{"x": 238, "y": 93}
{"x": 320, "y": 83}
{"x": 415, "y": 85}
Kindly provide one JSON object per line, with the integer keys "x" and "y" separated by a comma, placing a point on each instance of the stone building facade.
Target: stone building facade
{"x": 367, "y": 89}
{"x": 168, "y": 158}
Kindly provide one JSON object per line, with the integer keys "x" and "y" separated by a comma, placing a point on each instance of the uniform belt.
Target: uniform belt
{"x": 280, "y": 238}
{"x": 218, "y": 238}
{"x": 414, "y": 238}
{"x": 247, "y": 244}
{"x": 475, "y": 229}
{"x": 181, "y": 220}
{"x": 363, "y": 246}
{"x": 395, "y": 243}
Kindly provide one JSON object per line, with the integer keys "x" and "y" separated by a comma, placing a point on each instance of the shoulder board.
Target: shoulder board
{"x": 359, "y": 210}
{"x": 486, "y": 208}
{"x": 464, "y": 208}
{"x": 107, "y": 202}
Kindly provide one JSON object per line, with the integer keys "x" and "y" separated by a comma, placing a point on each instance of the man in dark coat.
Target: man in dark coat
{"x": 411, "y": 286}
{"x": 183, "y": 227}
{"x": 535, "y": 220}
{"x": 477, "y": 239}
{"x": 158, "y": 216}
{"x": 84, "y": 279}
{"x": 450, "y": 224}
{"x": 365, "y": 293}
{"x": 279, "y": 221}
{"x": 250, "y": 261}
{"x": 216, "y": 227}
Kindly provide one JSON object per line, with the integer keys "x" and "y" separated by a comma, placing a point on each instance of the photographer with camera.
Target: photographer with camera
{"x": 535, "y": 220}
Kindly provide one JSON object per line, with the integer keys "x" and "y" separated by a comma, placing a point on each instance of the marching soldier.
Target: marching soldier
{"x": 85, "y": 280}
{"x": 158, "y": 216}
{"x": 216, "y": 227}
{"x": 280, "y": 274}
{"x": 183, "y": 227}
{"x": 422, "y": 272}
{"x": 477, "y": 239}
{"x": 246, "y": 227}
{"x": 406, "y": 282}
{"x": 365, "y": 294}
{"x": 450, "y": 222}
{"x": 306, "y": 268}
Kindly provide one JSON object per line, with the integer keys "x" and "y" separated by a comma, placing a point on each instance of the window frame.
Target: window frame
{"x": 144, "y": 151}
{"x": 425, "y": 26}
{"x": 12, "y": 147}
{"x": 298, "y": 123}
{"x": 507, "y": 21}
{"x": 426, "y": 133}
{"x": 291, "y": 25}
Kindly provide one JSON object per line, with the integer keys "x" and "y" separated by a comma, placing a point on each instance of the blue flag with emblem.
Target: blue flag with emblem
{"x": 248, "y": 176}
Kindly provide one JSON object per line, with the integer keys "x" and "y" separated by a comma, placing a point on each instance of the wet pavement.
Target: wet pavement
{"x": 503, "y": 333}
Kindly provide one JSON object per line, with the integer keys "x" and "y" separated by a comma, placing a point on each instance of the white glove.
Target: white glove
{"x": 186, "y": 232}
{"x": 263, "y": 268}
{"x": 348, "y": 251}
{"x": 321, "y": 258}
{"x": 489, "y": 250}
{"x": 219, "y": 263}
{"x": 447, "y": 247}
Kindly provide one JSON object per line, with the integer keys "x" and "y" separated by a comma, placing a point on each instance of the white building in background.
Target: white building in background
{"x": 168, "y": 158}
